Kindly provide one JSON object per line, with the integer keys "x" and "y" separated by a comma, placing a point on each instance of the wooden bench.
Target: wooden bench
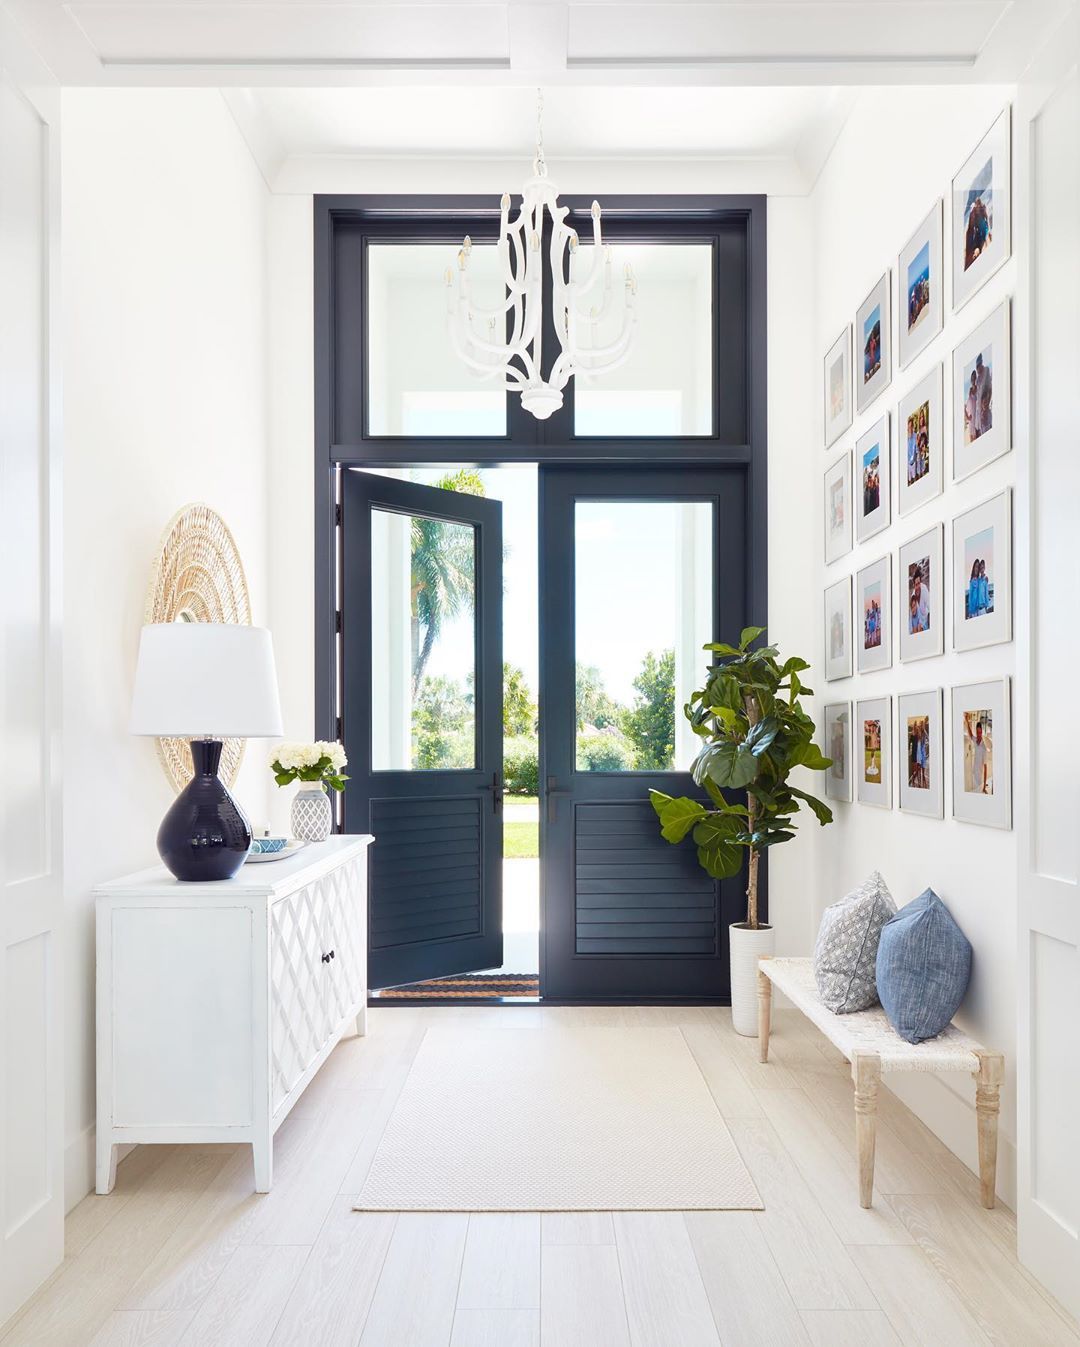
{"x": 872, "y": 1046}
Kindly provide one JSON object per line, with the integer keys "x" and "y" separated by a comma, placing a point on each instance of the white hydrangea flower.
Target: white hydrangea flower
{"x": 297, "y": 756}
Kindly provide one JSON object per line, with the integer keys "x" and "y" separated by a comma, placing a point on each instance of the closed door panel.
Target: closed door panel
{"x": 640, "y": 568}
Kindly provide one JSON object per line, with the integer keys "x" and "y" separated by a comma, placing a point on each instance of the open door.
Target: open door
{"x": 421, "y": 705}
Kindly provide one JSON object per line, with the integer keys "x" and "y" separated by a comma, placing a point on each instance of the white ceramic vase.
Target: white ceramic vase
{"x": 746, "y": 947}
{"x": 312, "y": 817}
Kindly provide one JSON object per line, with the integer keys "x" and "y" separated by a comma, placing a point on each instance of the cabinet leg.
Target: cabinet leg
{"x": 764, "y": 1014}
{"x": 361, "y": 1021}
{"x": 262, "y": 1154}
{"x": 106, "y": 1166}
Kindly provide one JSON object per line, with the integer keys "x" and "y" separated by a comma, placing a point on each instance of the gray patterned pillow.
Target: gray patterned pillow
{"x": 847, "y": 945}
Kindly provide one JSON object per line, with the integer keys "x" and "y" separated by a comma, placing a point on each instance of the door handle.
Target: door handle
{"x": 496, "y": 792}
{"x": 551, "y": 791}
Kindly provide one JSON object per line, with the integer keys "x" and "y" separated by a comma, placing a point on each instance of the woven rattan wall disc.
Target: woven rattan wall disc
{"x": 197, "y": 576}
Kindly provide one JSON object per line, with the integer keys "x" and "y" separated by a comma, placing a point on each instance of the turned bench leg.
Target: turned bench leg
{"x": 764, "y": 1014}
{"x": 987, "y": 1104}
{"x": 866, "y": 1073}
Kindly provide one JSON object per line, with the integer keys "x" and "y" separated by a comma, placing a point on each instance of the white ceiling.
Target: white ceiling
{"x": 325, "y": 89}
{"x": 331, "y": 42}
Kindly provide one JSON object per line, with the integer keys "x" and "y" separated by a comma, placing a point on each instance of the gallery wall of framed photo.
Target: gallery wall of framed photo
{"x": 915, "y": 277}
{"x": 917, "y": 508}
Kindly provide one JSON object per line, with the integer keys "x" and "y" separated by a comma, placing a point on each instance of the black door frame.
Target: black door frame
{"x": 736, "y": 226}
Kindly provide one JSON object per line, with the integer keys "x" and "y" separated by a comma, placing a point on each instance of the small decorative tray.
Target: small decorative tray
{"x": 291, "y": 847}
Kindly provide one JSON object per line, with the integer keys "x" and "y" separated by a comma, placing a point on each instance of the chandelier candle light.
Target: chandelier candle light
{"x": 580, "y": 302}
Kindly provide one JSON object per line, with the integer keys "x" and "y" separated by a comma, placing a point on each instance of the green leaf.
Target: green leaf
{"x": 678, "y": 816}
{"x": 749, "y": 635}
{"x": 762, "y": 735}
{"x": 721, "y": 649}
{"x": 658, "y": 800}
{"x": 283, "y": 778}
{"x": 811, "y": 756}
{"x": 820, "y": 809}
{"x": 721, "y": 862}
{"x": 728, "y": 764}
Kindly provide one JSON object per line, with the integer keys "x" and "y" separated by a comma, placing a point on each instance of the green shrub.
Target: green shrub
{"x": 604, "y": 751}
{"x": 521, "y": 765}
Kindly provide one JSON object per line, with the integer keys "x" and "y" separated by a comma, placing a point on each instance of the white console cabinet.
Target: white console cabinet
{"x": 217, "y": 1003}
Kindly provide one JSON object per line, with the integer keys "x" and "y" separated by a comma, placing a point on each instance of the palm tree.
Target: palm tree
{"x": 443, "y": 572}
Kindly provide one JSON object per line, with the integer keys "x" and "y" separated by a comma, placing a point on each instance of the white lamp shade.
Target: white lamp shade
{"x": 212, "y": 680}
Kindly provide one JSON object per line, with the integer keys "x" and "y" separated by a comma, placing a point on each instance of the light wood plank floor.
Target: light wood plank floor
{"x": 183, "y": 1253}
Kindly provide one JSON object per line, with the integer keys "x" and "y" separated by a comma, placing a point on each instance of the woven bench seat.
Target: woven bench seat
{"x": 873, "y": 1047}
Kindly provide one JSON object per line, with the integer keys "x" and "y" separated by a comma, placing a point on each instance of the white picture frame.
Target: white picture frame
{"x": 982, "y": 753}
{"x": 837, "y": 387}
{"x": 919, "y": 753}
{"x": 837, "y": 509}
{"x": 921, "y": 280}
{"x": 836, "y": 736}
{"x": 920, "y": 442}
{"x": 982, "y": 394}
{"x": 872, "y": 359}
{"x": 921, "y": 584}
{"x": 872, "y": 479}
{"x": 982, "y": 603}
{"x": 837, "y": 631}
{"x": 872, "y": 741}
{"x": 873, "y": 615}
{"x": 981, "y": 197}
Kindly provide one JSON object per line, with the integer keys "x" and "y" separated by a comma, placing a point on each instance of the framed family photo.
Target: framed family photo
{"x": 838, "y": 509}
{"x": 982, "y": 212}
{"x": 836, "y": 734}
{"x": 921, "y": 289}
{"x": 982, "y": 574}
{"x": 873, "y": 733}
{"x": 982, "y": 753}
{"x": 873, "y": 592}
{"x": 838, "y": 630}
{"x": 838, "y": 411}
{"x": 873, "y": 345}
{"x": 922, "y": 591}
{"x": 982, "y": 394}
{"x": 921, "y": 786}
{"x": 921, "y": 442}
{"x": 873, "y": 463}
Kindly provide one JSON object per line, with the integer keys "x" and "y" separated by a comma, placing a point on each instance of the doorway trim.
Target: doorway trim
{"x": 343, "y": 226}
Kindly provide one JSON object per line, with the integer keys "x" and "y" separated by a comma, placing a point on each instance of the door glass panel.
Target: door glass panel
{"x": 665, "y": 386}
{"x": 641, "y": 618}
{"x": 417, "y": 383}
{"x": 423, "y": 643}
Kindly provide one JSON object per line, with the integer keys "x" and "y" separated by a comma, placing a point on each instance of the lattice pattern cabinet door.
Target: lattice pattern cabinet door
{"x": 299, "y": 982}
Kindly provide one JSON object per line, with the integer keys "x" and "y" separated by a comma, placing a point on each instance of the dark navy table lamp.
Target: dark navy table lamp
{"x": 204, "y": 682}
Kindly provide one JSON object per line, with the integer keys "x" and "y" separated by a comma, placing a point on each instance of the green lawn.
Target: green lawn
{"x": 520, "y": 799}
{"x": 521, "y": 841}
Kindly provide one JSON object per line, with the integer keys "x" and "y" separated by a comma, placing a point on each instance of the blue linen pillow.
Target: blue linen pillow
{"x": 923, "y": 967}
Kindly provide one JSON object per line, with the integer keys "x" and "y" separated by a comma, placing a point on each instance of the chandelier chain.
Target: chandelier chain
{"x": 541, "y": 163}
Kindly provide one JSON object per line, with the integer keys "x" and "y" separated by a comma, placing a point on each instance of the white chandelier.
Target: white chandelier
{"x": 581, "y": 302}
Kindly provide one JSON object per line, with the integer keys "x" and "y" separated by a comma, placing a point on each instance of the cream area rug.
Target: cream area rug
{"x": 556, "y": 1120}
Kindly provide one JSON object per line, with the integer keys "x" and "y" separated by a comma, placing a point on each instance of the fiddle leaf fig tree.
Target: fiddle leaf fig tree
{"x": 754, "y": 734}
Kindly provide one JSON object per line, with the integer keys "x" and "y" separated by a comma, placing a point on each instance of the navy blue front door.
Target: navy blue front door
{"x": 624, "y": 914}
{"x": 421, "y": 705}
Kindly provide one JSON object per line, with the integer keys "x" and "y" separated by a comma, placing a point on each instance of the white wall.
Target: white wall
{"x": 164, "y": 260}
{"x": 895, "y": 156}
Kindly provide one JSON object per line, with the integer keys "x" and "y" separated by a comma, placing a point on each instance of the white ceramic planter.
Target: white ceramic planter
{"x": 312, "y": 816}
{"x": 746, "y": 947}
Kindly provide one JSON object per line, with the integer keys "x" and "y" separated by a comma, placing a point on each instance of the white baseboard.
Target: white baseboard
{"x": 952, "y": 1119}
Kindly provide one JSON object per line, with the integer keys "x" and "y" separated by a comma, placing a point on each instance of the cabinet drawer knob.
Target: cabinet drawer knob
{"x": 326, "y": 958}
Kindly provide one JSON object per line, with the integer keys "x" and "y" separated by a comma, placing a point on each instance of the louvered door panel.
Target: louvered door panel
{"x": 426, "y": 871}
{"x": 634, "y": 893}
